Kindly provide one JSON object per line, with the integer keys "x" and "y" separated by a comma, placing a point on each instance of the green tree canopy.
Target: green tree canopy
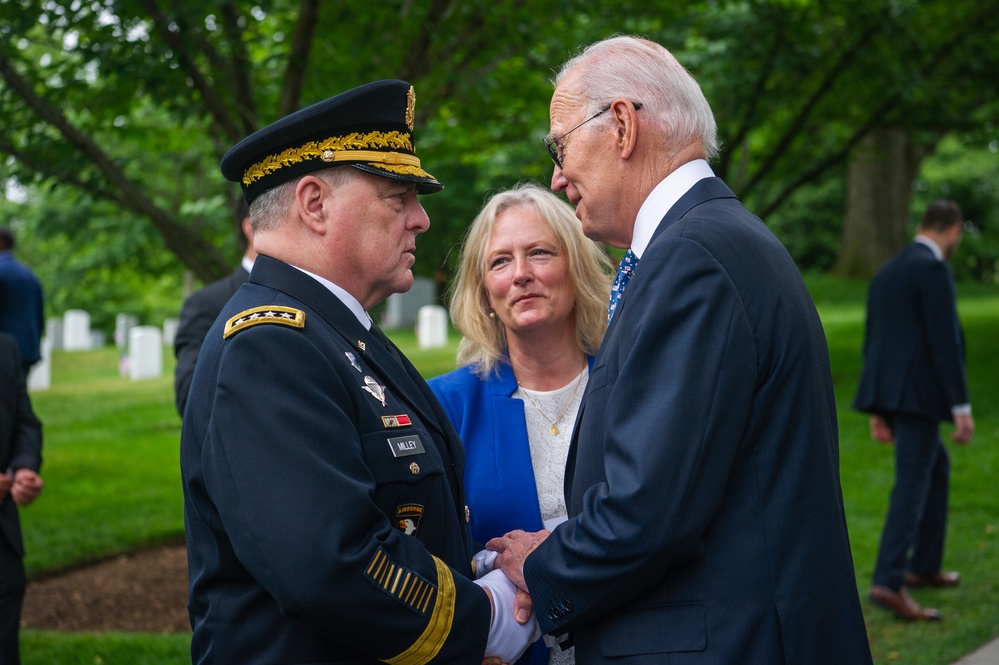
{"x": 125, "y": 107}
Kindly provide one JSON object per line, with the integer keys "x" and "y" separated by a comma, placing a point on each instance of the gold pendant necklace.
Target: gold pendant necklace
{"x": 554, "y": 428}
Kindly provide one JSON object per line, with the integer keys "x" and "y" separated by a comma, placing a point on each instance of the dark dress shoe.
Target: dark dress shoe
{"x": 939, "y": 579}
{"x": 902, "y": 604}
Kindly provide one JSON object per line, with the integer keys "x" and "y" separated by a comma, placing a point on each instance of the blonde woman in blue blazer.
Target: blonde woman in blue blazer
{"x": 530, "y": 301}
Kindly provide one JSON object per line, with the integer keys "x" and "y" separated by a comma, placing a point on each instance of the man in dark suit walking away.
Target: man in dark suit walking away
{"x": 706, "y": 520}
{"x": 913, "y": 378}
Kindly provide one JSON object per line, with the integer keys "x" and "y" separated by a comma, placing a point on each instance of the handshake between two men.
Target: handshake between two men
{"x": 500, "y": 572}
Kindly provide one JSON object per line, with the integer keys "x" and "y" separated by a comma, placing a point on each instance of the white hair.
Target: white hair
{"x": 645, "y": 72}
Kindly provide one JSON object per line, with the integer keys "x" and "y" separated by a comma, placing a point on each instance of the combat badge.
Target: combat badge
{"x": 377, "y": 391}
{"x": 353, "y": 360}
{"x": 408, "y": 518}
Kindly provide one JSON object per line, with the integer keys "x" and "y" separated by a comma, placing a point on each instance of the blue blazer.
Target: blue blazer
{"x": 706, "y": 520}
{"x": 499, "y": 477}
{"x": 913, "y": 346}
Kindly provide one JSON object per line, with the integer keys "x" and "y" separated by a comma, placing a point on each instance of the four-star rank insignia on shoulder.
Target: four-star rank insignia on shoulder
{"x": 285, "y": 316}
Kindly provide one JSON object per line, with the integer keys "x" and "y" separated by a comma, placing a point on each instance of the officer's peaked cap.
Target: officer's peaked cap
{"x": 369, "y": 127}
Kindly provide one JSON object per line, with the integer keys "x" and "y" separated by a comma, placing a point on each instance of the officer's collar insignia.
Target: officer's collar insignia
{"x": 377, "y": 391}
{"x": 402, "y": 420}
{"x": 362, "y": 346}
{"x": 353, "y": 360}
{"x": 285, "y": 316}
{"x": 408, "y": 518}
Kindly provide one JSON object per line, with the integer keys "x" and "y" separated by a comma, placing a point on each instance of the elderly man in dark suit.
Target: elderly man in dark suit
{"x": 202, "y": 307}
{"x": 323, "y": 496}
{"x": 914, "y": 378}
{"x": 20, "y": 484}
{"x": 706, "y": 520}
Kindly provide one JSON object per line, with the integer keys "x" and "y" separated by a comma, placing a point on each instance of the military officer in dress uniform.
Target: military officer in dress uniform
{"x": 323, "y": 498}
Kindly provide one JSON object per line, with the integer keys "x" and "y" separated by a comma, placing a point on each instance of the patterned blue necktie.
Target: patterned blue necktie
{"x": 624, "y": 271}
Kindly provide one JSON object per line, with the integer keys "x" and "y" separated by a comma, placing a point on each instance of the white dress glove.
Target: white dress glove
{"x": 508, "y": 640}
{"x": 484, "y": 562}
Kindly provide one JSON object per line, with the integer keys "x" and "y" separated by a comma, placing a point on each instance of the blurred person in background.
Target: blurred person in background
{"x": 22, "y": 306}
{"x": 202, "y": 307}
{"x": 913, "y": 379}
{"x": 20, "y": 484}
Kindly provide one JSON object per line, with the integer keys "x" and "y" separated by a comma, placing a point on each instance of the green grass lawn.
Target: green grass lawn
{"x": 113, "y": 485}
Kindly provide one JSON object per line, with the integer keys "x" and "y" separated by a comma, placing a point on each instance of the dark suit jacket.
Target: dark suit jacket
{"x": 22, "y": 312}
{"x": 706, "y": 516}
{"x": 20, "y": 435}
{"x": 196, "y": 317}
{"x": 913, "y": 346}
{"x": 322, "y": 525}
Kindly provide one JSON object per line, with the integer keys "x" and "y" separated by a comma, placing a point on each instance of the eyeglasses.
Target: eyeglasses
{"x": 557, "y": 151}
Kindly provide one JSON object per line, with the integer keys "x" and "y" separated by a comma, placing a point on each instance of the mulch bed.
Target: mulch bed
{"x": 143, "y": 591}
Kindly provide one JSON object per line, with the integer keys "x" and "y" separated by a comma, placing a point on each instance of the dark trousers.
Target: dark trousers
{"x": 917, "y": 512}
{"x": 12, "y": 585}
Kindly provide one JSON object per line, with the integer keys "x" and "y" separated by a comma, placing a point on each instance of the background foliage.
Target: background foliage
{"x": 116, "y": 113}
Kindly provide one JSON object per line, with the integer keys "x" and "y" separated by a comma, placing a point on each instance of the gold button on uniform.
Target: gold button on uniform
{"x": 414, "y": 468}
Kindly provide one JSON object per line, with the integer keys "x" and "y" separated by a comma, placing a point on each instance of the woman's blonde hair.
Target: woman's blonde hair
{"x": 483, "y": 341}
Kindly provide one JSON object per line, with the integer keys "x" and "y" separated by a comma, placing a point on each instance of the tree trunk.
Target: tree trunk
{"x": 878, "y": 197}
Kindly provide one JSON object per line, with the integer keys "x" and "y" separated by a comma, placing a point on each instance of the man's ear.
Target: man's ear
{"x": 625, "y": 117}
{"x": 310, "y": 195}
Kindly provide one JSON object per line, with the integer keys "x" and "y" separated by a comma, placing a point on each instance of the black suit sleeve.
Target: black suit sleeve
{"x": 195, "y": 320}
{"x": 942, "y": 326}
{"x": 197, "y": 315}
{"x": 24, "y": 445}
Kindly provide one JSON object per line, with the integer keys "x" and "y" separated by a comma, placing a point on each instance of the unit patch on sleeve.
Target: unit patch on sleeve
{"x": 285, "y": 316}
{"x": 408, "y": 517}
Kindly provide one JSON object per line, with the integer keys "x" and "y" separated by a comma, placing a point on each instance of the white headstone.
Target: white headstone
{"x": 169, "y": 332}
{"x": 76, "y": 330}
{"x": 145, "y": 353}
{"x": 98, "y": 339}
{"x": 431, "y": 329}
{"x": 401, "y": 309}
{"x": 40, "y": 376}
{"x": 53, "y": 330}
{"x": 122, "y": 324}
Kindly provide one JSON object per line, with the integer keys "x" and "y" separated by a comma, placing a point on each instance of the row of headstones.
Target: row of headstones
{"x": 415, "y": 308}
{"x": 141, "y": 346}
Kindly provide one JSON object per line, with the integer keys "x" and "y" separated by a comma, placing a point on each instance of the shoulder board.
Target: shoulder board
{"x": 285, "y": 316}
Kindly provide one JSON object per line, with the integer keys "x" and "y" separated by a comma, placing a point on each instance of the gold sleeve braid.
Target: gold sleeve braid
{"x": 407, "y": 587}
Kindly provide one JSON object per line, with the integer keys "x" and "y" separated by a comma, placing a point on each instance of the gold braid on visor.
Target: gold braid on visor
{"x": 341, "y": 149}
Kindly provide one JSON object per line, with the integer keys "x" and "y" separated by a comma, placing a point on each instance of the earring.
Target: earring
{"x": 492, "y": 314}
